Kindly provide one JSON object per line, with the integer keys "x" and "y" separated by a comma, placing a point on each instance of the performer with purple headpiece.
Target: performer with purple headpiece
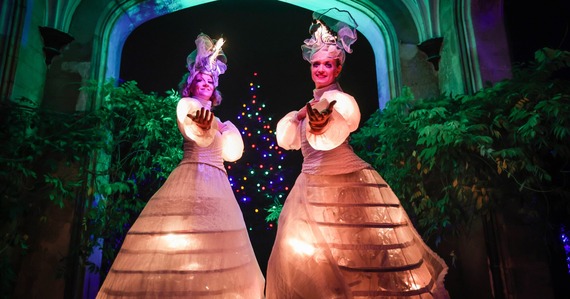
{"x": 190, "y": 241}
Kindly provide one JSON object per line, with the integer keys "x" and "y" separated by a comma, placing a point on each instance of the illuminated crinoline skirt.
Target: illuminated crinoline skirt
{"x": 190, "y": 241}
{"x": 347, "y": 236}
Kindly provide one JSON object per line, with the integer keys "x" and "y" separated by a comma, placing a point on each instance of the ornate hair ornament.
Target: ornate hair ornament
{"x": 332, "y": 33}
{"x": 208, "y": 58}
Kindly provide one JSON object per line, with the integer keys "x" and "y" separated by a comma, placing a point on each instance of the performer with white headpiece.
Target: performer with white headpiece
{"x": 342, "y": 232}
{"x": 190, "y": 241}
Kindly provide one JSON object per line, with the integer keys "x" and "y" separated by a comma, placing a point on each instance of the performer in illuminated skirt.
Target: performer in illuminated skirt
{"x": 342, "y": 232}
{"x": 190, "y": 241}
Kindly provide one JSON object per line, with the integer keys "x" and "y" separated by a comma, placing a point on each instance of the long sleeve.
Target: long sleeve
{"x": 343, "y": 121}
{"x": 287, "y": 132}
{"x": 232, "y": 143}
{"x": 188, "y": 128}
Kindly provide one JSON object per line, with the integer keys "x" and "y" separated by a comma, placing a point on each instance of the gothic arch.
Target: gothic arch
{"x": 468, "y": 47}
{"x": 118, "y": 20}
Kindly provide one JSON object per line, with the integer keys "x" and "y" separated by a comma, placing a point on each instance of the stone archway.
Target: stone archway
{"x": 119, "y": 21}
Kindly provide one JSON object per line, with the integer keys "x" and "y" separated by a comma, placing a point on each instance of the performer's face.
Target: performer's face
{"x": 324, "y": 71}
{"x": 202, "y": 87}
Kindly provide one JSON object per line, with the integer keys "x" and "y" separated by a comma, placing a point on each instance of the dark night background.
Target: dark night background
{"x": 265, "y": 37}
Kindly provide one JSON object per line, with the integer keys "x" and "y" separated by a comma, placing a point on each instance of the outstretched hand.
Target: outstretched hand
{"x": 203, "y": 118}
{"x": 319, "y": 119}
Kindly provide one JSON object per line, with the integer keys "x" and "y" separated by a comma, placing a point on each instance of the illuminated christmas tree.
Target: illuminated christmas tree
{"x": 259, "y": 179}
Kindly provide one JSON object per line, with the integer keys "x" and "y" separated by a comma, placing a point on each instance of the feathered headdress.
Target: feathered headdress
{"x": 208, "y": 58}
{"x": 332, "y": 33}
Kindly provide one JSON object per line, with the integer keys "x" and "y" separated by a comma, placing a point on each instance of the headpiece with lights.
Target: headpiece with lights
{"x": 333, "y": 31}
{"x": 208, "y": 58}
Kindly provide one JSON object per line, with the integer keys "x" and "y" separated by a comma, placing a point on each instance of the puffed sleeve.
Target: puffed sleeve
{"x": 287, "y": 132}
{"x": 232, "y": 143}
{"x": 343, "y": 121}
{"x": 188, "y": 128}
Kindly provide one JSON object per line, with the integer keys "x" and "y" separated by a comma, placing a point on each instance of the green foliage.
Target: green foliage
{"x": 42, "y": 163}
{"x": 143, "y": 147}
{"x": 274, "y": 210}
{"x": 109, "y": 161}
{"x": 452, "y": 157}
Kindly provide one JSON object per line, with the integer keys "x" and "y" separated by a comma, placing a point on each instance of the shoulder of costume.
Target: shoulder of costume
{"x": 337, "y": 95}
{"x": 190, "y": 99}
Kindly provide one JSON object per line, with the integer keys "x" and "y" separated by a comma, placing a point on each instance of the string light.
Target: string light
{"x": 258, "y": 190}
{"x": 566, "y": 244}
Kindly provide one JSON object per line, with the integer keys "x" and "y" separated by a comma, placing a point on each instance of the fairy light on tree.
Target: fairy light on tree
{"x": 259, "y": 178}
{"x": 565, "y": 239}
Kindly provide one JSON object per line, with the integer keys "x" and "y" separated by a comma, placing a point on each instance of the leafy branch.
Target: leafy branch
{"x": 48, "y": 158}
{"x": 451, "y": 158}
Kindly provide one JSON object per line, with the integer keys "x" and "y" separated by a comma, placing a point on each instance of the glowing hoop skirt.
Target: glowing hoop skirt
{"x": 187, "y": 243}
{"x": 347, "y": 236}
